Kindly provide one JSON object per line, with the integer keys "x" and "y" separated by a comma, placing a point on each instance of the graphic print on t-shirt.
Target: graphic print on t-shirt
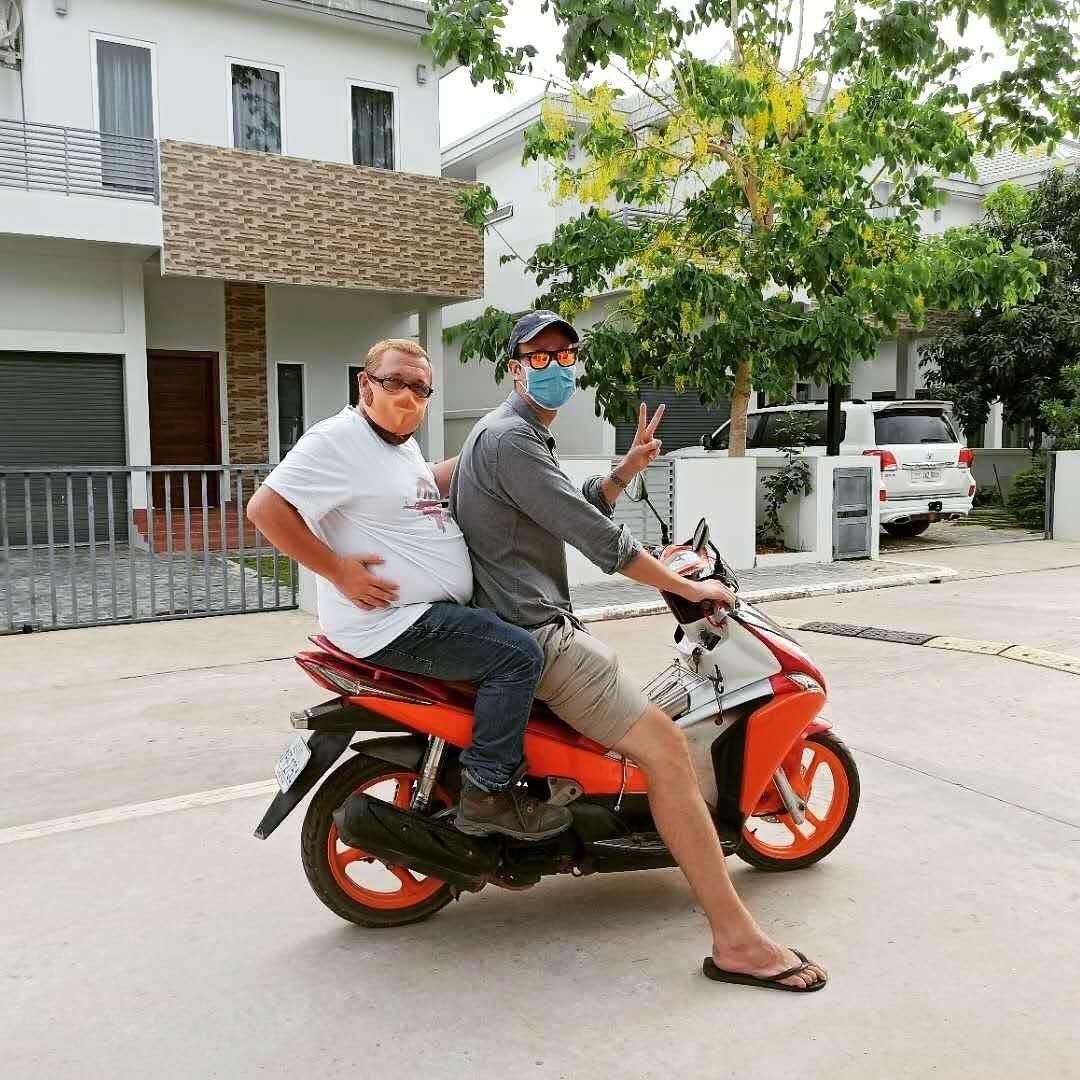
{"x": 431, "y": 504}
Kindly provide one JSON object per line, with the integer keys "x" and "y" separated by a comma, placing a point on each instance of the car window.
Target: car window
{"x": 911, "y": 426}
{"x": 814, "y": 424}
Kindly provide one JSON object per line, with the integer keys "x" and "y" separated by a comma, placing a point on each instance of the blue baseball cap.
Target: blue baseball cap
{"x": 531, "y": 323}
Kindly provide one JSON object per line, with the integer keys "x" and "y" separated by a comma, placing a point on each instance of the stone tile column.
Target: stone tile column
{"x": 245, "y": 344}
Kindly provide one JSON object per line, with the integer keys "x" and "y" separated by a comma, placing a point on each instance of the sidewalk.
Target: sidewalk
{"x": 618, "y": 598}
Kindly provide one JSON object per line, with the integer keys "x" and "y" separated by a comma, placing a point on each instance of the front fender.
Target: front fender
{"x": 770, "y": 733}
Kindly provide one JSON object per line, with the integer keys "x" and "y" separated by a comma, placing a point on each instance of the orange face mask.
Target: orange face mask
{"x": 400, "y": 414}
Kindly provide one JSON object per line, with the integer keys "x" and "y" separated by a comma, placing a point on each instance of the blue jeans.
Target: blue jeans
{"x": 465, "y": 644}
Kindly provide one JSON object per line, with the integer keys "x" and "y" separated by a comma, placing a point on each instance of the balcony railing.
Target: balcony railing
{"x": 71, "y": 161}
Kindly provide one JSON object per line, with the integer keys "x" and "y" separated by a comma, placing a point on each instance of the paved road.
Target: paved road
{"x": 177, "y": 946}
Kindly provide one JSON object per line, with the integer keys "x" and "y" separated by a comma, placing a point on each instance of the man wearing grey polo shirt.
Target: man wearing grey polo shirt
{"x": 516, "y": 508}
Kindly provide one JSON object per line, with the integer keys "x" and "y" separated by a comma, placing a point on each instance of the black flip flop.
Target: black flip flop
{"x": 772, "y": 982}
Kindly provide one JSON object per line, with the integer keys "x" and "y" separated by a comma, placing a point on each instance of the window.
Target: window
{"x": 255, "y": 107}
{"x": 372, "y": 127}
{"x": 125, "y": 106}
{"x": 781, "y": 428}
{"x": 290, "y": 406}
{"x": 909, "y": 426}
{"x": 802, "y": 393}
{"x": 354, "y": 383}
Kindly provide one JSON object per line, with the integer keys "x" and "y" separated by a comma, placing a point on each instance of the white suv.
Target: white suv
{"x": 925, "y": 466}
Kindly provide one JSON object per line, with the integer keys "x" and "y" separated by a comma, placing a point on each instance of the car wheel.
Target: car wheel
{"x": 907, "y": 528}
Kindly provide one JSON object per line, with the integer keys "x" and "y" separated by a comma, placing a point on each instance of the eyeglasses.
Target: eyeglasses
{"x": 542, "y": 358}
{"x": 393, "y": 385}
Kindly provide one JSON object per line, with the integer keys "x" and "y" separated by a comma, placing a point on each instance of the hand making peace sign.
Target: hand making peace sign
{"x": 645, "y": 446}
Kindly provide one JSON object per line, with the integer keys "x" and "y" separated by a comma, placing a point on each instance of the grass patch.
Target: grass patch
{"x": 264, "y": 567}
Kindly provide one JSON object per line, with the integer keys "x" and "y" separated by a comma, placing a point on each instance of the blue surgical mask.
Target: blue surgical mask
{"x": 550, "y": 387}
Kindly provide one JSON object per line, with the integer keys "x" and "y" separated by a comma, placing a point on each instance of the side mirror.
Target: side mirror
{"x": 706, "y": 442}
{"x": 701, "y": 536}
{"x": 635, "y": 490}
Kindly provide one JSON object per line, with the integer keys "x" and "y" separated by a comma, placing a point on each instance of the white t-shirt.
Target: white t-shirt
{"x": 361, "y": 495}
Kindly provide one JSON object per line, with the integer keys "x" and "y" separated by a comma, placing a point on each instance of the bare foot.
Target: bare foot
{"x": 764, "y": 959}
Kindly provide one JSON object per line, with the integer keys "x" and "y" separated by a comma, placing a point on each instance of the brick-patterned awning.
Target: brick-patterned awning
{"x": 242, "y": 216}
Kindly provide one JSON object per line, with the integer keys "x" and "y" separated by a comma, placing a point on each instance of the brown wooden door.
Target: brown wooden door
{"x": 184, "y": 422}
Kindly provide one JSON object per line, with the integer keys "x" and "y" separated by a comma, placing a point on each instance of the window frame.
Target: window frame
{"x": 369, "y": 84}
{"x": 230, "y": 62}
{"x": 138, "y": 43}
{"x": 350, "y": 383}
{"x": 302, "y": 364}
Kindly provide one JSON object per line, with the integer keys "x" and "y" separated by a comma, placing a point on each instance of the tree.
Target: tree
{"x": 1062, "y": 417}
{"x": 1018, "y": 355}
{"x": 772, "y": 249}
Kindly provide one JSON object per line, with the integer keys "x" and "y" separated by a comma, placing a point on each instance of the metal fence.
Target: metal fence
{"x": 660, "y": 487}
{"x": 92, "y": 545}
{"x": 73, "y": 161}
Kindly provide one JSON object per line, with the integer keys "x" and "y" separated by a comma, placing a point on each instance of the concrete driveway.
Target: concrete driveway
{"x": 178, "y": 946}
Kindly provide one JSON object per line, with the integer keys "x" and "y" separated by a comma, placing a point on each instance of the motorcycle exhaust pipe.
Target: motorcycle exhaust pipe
{"x": 403, "y": 838}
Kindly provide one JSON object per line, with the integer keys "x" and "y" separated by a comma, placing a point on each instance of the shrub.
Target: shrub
{"x": 1027, "y": 496}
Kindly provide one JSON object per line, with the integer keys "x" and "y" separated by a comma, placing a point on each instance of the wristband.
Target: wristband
{"x": 618, "y": 481}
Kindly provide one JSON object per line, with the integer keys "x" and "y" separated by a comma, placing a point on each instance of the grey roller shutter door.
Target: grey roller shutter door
{"x": 59, "y": 409}
{"x": 685, "y": 420}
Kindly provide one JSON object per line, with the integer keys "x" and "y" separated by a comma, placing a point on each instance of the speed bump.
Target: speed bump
{"x": 1043, "y": 658}
{"x": 971, "y": 645}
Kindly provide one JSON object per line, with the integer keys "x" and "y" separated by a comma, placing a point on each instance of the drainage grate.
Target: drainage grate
{"x": 843, "y": 629}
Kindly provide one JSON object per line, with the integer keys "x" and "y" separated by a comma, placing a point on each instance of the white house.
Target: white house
{"x": 208, "y": 210}
{"x": 527, "y": 216}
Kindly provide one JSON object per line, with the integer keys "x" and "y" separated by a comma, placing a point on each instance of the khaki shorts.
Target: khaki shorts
{"x": 584, "y": 685}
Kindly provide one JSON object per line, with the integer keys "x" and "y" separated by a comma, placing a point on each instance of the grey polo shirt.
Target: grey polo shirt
{"x": 516, "y": 507}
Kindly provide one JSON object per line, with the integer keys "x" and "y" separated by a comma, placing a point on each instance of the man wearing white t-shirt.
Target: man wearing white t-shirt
{"x": 355, "y": 493}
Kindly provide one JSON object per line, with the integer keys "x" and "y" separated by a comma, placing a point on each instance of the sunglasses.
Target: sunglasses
{"x": 542, "y": 358}
{"x": 393, "y": 385}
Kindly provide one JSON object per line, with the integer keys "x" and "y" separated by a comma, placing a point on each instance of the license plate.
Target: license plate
{"x": 291, "y": 763}
{"x": 928, "y": 475}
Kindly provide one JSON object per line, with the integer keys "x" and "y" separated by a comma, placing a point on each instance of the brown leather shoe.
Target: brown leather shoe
{"x": 512, "y": 812}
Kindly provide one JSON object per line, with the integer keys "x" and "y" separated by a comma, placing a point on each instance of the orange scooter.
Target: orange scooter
{"x": 782, "y": 789}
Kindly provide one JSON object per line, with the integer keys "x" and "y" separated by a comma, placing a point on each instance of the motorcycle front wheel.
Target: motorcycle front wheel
{"x": 825, "y": 777}
{"x": 352, "y": 884}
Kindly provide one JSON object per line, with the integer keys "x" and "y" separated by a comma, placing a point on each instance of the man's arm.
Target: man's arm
{"x": 281, "y": 524}
{"x": 444, "y": 473}
{"x": 646, "y": 570}
{"x": 643, "y": 450}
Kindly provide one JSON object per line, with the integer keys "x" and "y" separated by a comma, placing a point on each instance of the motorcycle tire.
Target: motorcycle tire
{"x": 804, "y": 851}
{"x": 326, "y": 858}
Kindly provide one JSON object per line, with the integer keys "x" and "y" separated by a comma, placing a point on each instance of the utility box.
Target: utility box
{"x": 852, "y": 532}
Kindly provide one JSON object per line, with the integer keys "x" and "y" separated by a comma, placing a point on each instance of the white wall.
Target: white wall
{"x": 807, "y": 520}
{"x": 80, "y": 298}
{"x": 1067, "y": 495}
{"x": 326, "y": 330}
{"x": 721, "y": 490}
{"x": 192, "y": 39}
{"x": 10, "y": 104}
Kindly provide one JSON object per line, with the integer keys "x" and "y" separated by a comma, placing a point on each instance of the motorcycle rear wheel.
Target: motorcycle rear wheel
{"x": 774, "y": 841}
{"x": 355, "y": 886}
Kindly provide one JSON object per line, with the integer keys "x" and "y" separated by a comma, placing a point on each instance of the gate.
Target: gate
{"x": 660, "y": 487}
{"x": 78, "y": 549}
{"x": 1051, "y": 480}
{"x": 852, "y": 517}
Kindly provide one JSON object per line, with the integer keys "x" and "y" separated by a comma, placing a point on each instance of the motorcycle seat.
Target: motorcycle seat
{"x": 461, "y": 694}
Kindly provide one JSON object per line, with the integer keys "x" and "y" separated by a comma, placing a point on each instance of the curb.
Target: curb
{"x": 932, "y": 575}
{"x": 1023, "y": 654}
